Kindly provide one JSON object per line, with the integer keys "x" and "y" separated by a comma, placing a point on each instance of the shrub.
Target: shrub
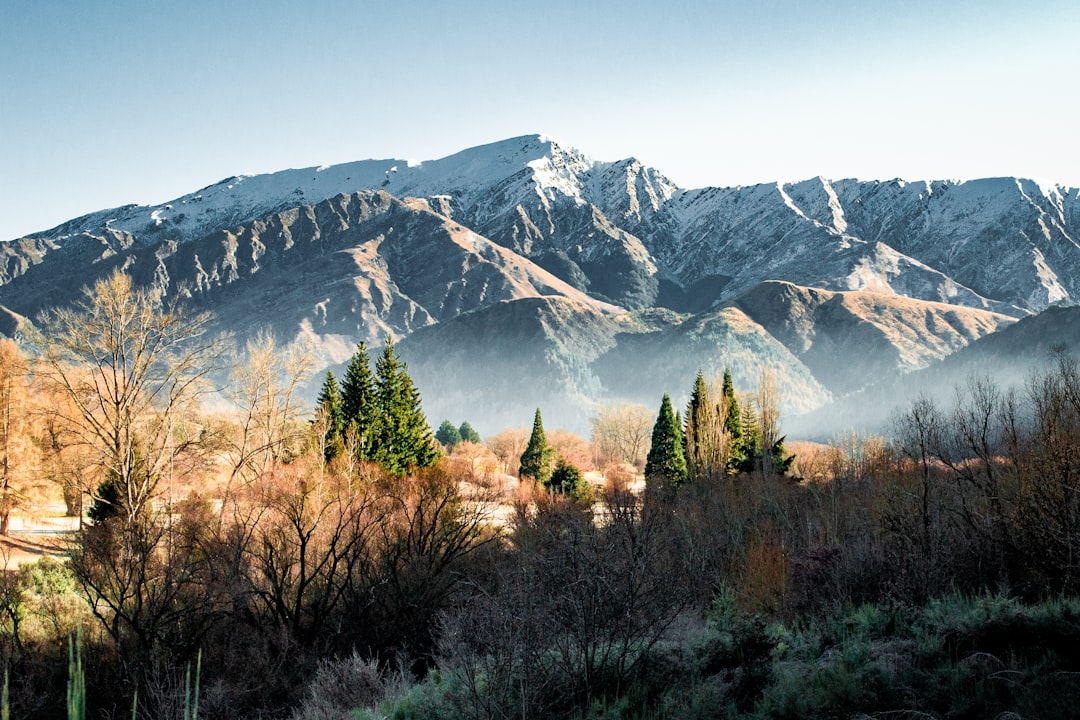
{"x": 340, "y": 687}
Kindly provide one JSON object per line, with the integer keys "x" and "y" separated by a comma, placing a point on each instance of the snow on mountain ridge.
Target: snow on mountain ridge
{"x": 1011, "y": 239}
{"x": 556, "y": 171}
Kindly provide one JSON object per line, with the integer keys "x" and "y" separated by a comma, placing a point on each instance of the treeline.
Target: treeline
{"x": 717, "y": 438}
{"x": 344, "y": 565}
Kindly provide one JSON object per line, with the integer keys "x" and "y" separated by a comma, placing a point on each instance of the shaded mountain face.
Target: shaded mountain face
{"x": 551, "y": 276}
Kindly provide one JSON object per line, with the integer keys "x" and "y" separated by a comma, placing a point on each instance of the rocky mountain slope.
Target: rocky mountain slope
{"x": 576, "y": 280}
{"x": 827, "y": 330}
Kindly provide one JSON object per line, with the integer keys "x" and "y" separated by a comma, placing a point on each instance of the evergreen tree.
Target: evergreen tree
{"x": 329, "y": 406}
{"x": 448, "y": 435}
{"x": 536, "y": 460}
{"x": 107, "y": 502}
{"x": 467, "y": 433}
{"x": 665, "y": 467}
{"x": 751, "y": 441}
{"x": 567, "y": 479}
{"x": 733, "y": 425}
{"x": 400, "y": 437}
{"x": 780, "y": 462}
{"x": 358, "y": 402}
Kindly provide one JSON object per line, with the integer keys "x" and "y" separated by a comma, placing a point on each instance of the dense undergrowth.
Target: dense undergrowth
{"x": 960, "y": 656}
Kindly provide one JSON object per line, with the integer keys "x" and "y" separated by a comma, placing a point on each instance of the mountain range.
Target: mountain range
{"x": 524, "y": 273}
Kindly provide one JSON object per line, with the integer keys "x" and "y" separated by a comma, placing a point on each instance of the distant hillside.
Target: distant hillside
{"x": 851, "y": 339}
{"x": 1008, "y": 357}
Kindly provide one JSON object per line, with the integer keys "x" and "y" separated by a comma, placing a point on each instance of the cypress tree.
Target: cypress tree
{"x": 665, "y": 467}
{"x": 400, "y": 437}
{"x": 536, "y": 460}
{"x": 703, "y": 434}
{"x": 733, "y": 421}
{"x": 358, "y": 406}
{"x": 329, "y": 404}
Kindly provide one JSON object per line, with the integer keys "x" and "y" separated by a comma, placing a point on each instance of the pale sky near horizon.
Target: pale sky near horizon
{"x": 113, "y": 102}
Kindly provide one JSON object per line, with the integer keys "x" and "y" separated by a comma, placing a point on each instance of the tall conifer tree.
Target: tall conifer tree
{"x": 537, "y": 458}
{"x": 358, "y": 403}
{"x": 704, "y": 433}
{"x": 329, "y": 405}
{"x": 401, "y": 437}
{"x": 733, "y": 424}
{"x": 665, "y": 467}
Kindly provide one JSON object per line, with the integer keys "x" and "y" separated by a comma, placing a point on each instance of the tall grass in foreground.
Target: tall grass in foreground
{"x": 191, "y": 705}
{"x": 76, "y": 687}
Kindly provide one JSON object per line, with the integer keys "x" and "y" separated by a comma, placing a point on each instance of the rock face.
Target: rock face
{"x": 621, "y": 282}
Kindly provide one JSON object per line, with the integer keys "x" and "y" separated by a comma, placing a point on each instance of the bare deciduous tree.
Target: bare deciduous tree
{"x": 19, "y": 481}
{"x": 266, "y": 378}
{"x": 621, "y": 434}
{"x": 508, "y": 446}
{"x": 132, "y": 368}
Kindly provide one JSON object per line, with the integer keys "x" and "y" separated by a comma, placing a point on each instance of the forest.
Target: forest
{"x": 242, "y": 554}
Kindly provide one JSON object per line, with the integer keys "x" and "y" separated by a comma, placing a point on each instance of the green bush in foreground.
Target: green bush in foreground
{"x": 960, "y": 656}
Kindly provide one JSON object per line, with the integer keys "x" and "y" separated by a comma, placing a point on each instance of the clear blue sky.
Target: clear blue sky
{"x": 108, "y": 102}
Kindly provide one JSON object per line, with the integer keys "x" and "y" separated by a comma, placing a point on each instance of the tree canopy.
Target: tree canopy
{"x": 448, "y": 435}
{"x": 467, "y": 433}
{"x": 358, "y": 405}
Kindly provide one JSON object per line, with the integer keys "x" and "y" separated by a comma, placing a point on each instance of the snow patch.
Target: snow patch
{"x": 839, "y": 222}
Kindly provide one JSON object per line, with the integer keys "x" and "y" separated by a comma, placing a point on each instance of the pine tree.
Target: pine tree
{"x": 780, "y": 462}
{"x": 448, "y": 435}
{"x": 733, "y": 425}
{"x": 400, "y": 437}
{"x": 328, "y": 411}
{"x": 358, "y": 406}
{"x": 536, "y": 460}
{"x": 468, "y": 434}
{"x": 665, "y": 467}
